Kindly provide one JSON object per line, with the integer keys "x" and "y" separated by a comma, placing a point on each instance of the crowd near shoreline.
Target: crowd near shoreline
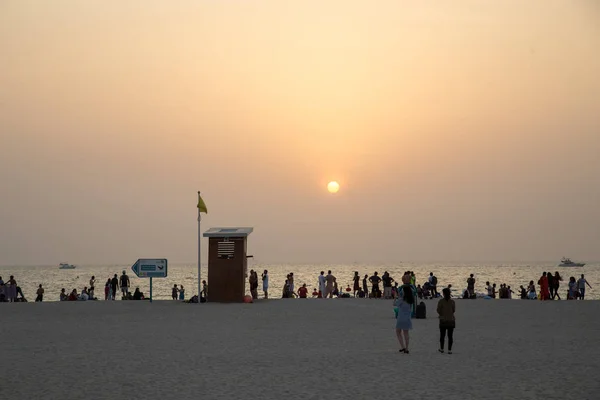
{"x": 364, "y": 286}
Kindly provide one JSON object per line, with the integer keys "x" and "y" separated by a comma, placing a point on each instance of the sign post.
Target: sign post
{"x": 150, "y": 268}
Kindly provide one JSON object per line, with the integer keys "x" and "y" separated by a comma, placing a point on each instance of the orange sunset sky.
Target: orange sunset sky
{"x": 458, "y": 130}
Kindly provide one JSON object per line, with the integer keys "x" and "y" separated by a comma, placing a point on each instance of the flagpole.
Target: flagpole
{"x": 199, "y": 253}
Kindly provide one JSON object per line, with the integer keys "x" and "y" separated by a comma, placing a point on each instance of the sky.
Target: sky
{"x": 457, "y": 130}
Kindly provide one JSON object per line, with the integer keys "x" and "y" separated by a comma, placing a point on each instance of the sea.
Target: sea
{"x": 54, "y": 279}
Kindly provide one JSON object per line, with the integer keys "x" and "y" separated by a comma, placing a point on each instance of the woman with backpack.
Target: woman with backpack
{"x": 404, "y": 303}
{"x": 445, "y": 309}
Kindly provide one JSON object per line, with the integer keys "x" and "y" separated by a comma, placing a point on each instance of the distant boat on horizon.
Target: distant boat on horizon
{"x": 566, "y": 262}
{"x": 66, "y": 266}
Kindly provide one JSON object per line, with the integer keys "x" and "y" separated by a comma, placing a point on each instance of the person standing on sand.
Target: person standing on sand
{"x": 445, "y": 309}
{"x": 471, "y": 286}
{"x": 291, "y": 281}
{"x": 544, "y": 291}
{"x": 572, "y": 293}
{"x": 581, "y": 282}
{"x": 356, "y": 280}
{"x": 375, "y": 279}
{"x": 404, "y": 304}
{"x": 174, "y": 292}
{"x": 92, "y": 284}
{"x": 556, "y": 281}
{"x": 181, "y": 293}
{"x": 107, "y": 292}
{"x": 387, "y": 285}
{"x": 433, "y": 284}
{"x": 40, "y": 294}
{"x": 550, "y": 278}
{"x": 322, "y": 285}
{"x": 265, "y": 281}
{"x": 365, "y": 287}
{"x": 114, "y": 283}
{"x": 253, "y": 281}
{"x": 204, "y": 290}
{"x": 329, "y": 281}
{"x": 124, "y": 281}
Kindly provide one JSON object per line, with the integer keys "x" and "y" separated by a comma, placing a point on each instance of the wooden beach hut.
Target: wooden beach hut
{"x": 227, "y": 264}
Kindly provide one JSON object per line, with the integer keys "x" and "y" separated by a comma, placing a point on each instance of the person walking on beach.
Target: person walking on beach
{"x": 265, "y": 282}
{"x": 174, "y": 292}
{"x": 356, "y": 282}
{"x": 581, "y": 285}
{"x": 92, "y": 284}
{"x": 556, "y": 282}
{"x": 329, "y": 281}
{"x": 445, "y": 309}
{"x": 471, "y": 286}
{"x": 404, "y": 304}
{"x": 124, "y": 281}
{"x": 114, "y": 283}
{"x": 40, "y": 294}
{"x": 322, "y": 285}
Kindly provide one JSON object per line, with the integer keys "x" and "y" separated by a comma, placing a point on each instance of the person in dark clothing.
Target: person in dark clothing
{"x": 124, "y": 283}
{"x": 551, "y": 285}
{"x": 375, "y": 282}
{"x": 114, "y": 283}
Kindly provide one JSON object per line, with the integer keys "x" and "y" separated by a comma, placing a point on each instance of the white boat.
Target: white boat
{"x": 566, "y": 262}
{"x": 66, "y": 266}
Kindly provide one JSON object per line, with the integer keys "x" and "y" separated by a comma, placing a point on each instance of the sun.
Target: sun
{"x": 333, "y": 187}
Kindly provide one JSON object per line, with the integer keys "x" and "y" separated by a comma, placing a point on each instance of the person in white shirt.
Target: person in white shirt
{"x": 322, "y": 285}
{"x": 581, "y": 282}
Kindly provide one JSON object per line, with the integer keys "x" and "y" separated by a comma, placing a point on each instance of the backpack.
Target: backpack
{"x": 421, "y": 312}
{"x": 434, "y": 281}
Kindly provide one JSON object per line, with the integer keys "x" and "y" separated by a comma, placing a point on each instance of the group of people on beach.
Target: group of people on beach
{"x": 549, "y": 285}
{"x": 10, "y": 291}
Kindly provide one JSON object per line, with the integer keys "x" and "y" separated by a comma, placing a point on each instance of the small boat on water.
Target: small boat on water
{"x": 66, "y": 266}
{"x": 566, "y": 262}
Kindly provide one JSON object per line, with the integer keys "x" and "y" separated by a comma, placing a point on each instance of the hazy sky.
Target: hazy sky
{"x": 458, "y": 130}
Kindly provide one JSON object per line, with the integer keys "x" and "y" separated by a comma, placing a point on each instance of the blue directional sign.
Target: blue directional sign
{"x": 150, "y": 268}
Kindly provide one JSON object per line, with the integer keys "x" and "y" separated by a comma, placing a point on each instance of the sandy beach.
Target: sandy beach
{"x": 297, "y": 349}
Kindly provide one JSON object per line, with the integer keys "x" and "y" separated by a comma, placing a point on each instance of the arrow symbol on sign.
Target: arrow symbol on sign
{"x": 160, "y": 267}
{"x": 136, "y": 268}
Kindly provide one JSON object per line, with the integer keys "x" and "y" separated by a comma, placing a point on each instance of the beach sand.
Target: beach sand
{"x": 296, "y": 349}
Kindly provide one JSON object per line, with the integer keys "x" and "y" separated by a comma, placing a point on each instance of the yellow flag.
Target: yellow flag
{"x": 201, "y": 205}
